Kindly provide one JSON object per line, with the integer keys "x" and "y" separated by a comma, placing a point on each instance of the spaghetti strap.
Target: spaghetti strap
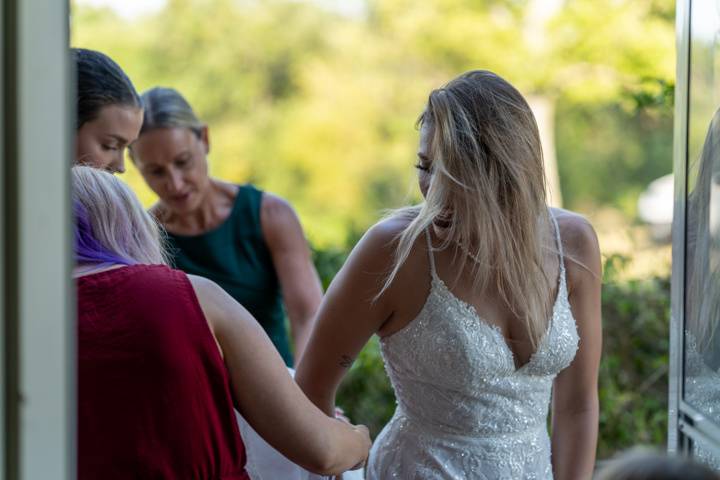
{"x": 558, "y": 239}
{"x": 430, "y": 253}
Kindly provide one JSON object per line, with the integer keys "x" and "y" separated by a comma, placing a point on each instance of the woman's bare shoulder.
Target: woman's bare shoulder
{"x": 389, "y": 228}
{"x": 382, "y": 238}
{"x": 580, "y": 243}
{"x": 215, "y": 302}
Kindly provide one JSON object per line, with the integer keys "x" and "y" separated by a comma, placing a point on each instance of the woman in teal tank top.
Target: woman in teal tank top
{"x": 248, "y": 241}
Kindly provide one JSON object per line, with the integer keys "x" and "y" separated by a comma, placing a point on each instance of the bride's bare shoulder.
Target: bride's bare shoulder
{"x": 580, "y": 243}
{"x": 389, "y": 228}
{"x": 379, "y": 244}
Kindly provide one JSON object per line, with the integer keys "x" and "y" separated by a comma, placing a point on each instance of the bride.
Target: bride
{"x": 486, "y": 302}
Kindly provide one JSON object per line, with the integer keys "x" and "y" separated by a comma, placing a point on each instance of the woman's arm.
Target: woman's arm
{"x": 299, "y": 281}
{"x": 349, "y": 315}
{"x": 575, "y": 395}
{"x": 268, "y": 398}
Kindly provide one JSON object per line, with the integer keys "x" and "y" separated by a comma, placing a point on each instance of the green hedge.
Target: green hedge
{"x": 633, "y": 372}
{"x": 634, "y": 368}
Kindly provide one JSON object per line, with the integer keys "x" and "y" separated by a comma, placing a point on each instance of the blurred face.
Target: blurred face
{"x": 173, "y": 163}
{"x": 101, "y": 142}
{"x": 424, "y": 164}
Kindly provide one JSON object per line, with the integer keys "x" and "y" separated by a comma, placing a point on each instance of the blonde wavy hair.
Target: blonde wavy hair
{"x": 110, "y": 224}
{"x": 487, "y": 191}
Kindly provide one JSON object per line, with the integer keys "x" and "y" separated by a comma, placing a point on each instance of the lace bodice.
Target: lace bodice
{"x": 464, "y": 409}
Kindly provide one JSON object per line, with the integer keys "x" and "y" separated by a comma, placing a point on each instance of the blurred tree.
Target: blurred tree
{"x": 586, "y": 51}
{"x": 319, "y": 105}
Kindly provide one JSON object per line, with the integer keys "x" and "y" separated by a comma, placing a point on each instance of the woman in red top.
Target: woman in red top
{"x": 164, "y": 356}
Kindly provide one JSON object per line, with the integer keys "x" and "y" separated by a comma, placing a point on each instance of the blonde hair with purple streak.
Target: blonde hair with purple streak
{"x": 111, "y": 227}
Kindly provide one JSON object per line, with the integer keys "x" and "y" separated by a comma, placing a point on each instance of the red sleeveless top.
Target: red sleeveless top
{"x": 154, "y": 398}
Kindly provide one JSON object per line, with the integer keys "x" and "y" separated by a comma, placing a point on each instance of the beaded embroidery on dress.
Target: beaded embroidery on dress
{"x": 464, "y": 411}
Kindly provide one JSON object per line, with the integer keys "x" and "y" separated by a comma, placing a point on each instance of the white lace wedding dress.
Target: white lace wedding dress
{"x": 464, "y": 411}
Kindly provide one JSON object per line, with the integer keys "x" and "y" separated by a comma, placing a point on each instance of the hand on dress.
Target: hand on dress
{"x": 362, "y": 429}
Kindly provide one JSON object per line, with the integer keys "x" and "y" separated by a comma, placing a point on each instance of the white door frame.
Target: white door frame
{"x": 37, "y": 346}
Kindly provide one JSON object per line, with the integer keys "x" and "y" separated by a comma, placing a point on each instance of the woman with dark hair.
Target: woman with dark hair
{"x": 248, "y": 241}
{"x": 163, "y": 357}
{"x": 109, "y": 111}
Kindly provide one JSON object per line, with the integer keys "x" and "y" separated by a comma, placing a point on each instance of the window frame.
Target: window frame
{"x": 686, "y": 424}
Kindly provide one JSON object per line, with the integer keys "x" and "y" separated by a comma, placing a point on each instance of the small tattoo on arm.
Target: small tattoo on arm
{"x": 345, "y": 361}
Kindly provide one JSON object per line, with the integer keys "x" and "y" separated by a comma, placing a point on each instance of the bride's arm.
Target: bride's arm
{"x": 575, "y": 396}
{"x": 348, "y": 316}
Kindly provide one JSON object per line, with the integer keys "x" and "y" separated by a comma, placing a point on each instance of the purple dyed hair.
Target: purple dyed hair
{"x": 87, "y": 248}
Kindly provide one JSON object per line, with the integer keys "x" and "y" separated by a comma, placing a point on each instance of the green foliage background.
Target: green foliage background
{"x": 319, "y": 105}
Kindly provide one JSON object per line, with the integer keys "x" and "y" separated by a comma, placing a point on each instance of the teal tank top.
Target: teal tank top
{"x": 234, "y": 255}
